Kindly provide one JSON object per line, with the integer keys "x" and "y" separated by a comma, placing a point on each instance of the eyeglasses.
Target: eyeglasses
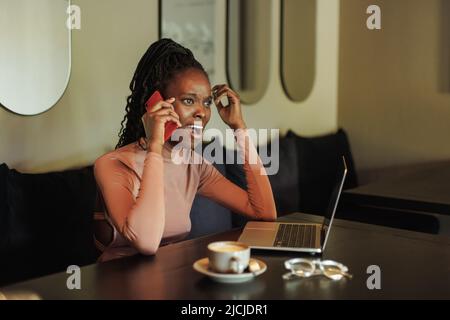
{"x": 305, "y": 268}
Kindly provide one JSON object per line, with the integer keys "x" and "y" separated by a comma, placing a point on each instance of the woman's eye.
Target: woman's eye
{"x": 208, "y": 103}
{"x": 188, "y": 102}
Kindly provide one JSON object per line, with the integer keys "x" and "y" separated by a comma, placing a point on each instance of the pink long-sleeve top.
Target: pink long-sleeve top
{"x": 148, "y": 197}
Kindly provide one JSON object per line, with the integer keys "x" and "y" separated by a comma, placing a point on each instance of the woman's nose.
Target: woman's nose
{"x": 200, "y": 112}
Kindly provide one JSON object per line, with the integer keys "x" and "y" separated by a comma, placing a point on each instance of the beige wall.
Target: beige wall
{"x": 114, "y": 35}
{"x": 394, "y": 94}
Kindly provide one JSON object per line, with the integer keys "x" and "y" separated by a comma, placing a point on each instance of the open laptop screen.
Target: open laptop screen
{"x": 334, "y": 199}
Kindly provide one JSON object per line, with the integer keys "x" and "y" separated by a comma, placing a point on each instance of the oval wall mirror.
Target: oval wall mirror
{"x": 35, "y": 54}
{"x": 298, "y": 47}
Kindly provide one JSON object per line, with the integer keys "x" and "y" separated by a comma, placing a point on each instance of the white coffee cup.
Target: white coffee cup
{"x": 228, "y": 256}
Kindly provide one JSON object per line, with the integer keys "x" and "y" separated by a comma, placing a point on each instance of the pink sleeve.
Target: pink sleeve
{"x": 141, "y": 220}
{"x": 257, "y": 202}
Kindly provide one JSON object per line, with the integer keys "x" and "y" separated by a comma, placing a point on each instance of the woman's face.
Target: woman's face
{"x": 193, "y": 99}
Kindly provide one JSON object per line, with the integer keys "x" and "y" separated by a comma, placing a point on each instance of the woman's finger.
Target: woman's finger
{"x": 217, "y": 90}
{"x": 169, "y": 118}
{"x": 161, "y": 104}
{"x": 220, "y": 94}
{"x": 165, "y": 111}
{"x": 230, "y": 94}
{"x": 233, "y": 96}
{"x": 218, "y": 87}
{"x": 175, "y": 115}
{"x": 226, "y": 89}
{"x": 164, "y": 104}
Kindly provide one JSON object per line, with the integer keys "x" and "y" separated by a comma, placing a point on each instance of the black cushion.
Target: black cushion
{"x": 318, "y": 159}
{"x": 46, "y": 222}
{"x": 308, "y": 171}
{"x": 4, "y": 211}
{"x": 207, "y": 216}
{"x": 284, "y": 182}
{"x": 235, "y": 173}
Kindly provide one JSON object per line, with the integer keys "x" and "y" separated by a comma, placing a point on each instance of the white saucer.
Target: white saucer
{"x": 202, "y": 266}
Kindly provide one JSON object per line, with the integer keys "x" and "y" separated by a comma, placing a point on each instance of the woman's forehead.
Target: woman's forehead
{"x": 192, "y": 81}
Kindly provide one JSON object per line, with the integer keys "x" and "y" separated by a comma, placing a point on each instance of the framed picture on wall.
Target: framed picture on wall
{"x": 191, "y": 23}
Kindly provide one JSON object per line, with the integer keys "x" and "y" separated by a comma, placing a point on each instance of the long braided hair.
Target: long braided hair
{"x": 163, "y": 60}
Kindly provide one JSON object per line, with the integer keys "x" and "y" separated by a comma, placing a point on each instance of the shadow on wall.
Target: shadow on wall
{"x": 444, "y": 50}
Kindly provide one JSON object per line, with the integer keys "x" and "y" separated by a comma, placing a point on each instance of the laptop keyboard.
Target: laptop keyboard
{"x": 295, "y": 236}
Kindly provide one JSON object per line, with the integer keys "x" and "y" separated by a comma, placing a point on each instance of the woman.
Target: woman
{"x": 147, "y": 197}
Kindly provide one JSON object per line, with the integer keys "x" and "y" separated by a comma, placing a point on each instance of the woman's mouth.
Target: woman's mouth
{"x": 195, "y": 130}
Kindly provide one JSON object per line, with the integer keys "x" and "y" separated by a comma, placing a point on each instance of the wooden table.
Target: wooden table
{"x": 413, "y": 265}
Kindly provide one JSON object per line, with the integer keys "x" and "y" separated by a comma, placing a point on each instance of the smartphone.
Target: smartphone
{"x": 170, "y": 126}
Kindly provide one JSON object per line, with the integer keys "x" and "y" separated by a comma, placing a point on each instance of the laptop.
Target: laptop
{"x": 291, "y": 236}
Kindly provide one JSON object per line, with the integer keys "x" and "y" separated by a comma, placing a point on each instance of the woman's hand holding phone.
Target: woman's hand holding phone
{"x": 155, "y": 121}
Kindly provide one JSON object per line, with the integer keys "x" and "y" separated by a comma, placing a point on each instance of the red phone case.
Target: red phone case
{"x": 170, "y": 126}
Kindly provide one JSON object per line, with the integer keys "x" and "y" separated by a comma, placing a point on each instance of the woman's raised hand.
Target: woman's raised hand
{"x": 231, "y": 114}
{"x": 155, "y": 121}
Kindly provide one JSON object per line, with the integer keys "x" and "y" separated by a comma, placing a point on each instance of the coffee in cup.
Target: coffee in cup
{"x": 228, "y": 256}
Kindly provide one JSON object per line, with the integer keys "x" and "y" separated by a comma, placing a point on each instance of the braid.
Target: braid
{"x": 163, "y": 60}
